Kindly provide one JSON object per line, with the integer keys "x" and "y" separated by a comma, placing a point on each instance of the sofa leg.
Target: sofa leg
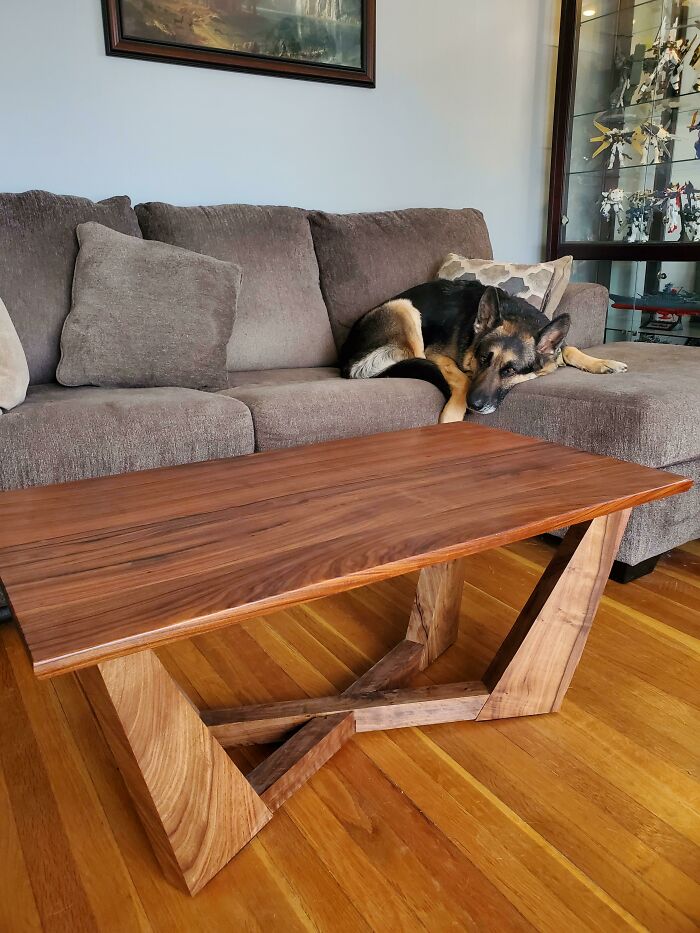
{"x": 626, "y": 573}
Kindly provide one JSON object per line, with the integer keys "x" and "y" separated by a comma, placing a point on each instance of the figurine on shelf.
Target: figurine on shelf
{"x": 694, "y": 127}
{"x": 668, "y": 52}
{"x": 623, "y": 66}
{"x": 669, "y": 202}
{"x": 655, "y": 136}
{"x": 613, "y": 139}
{"x": 690, "y": 213}
{"x": 671, "y": 298}
{"x": 639, "y": 216}
{"x": 695, "y": 61}
{"x": 611, "y": 205}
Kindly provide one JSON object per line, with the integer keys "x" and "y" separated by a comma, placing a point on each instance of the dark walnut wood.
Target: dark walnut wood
{"x": 99, "y": 568}
{"x": 291, "y": 765}
{"x": 373, "y": 711}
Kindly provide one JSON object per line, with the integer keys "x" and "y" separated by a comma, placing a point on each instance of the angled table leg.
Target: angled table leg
{"x": 533, "y": 668}
{"x": 196, "y": 806}
{"x": 434, "y": 621}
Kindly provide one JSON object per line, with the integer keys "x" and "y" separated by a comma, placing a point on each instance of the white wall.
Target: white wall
{"x": 460, "y": 117}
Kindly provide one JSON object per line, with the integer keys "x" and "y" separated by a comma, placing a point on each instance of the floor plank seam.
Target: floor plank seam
{"x": 531, "y": 832}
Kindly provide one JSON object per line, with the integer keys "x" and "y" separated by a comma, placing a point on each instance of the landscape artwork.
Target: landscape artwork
{"x": 325, "y": 39}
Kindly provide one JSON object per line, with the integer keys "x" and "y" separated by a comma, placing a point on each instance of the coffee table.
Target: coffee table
{"x": 98, "y": 573}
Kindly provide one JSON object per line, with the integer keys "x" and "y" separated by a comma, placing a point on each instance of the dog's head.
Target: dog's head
{"x": 512, "y": 343}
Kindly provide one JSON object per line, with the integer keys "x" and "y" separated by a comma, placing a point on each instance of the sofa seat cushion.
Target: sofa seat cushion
{"x": 277, "y": 377}
{"x": 316, "y": 405}
{"x": 649, "y": 415}
{"x": 38, "y": 248}
{"x": 281, "y": 319}
{"x": 366, "y": 259}
{"x": 60, "y": 434}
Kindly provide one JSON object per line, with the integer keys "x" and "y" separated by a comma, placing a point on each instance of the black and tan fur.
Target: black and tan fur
{"x": 474, "y": 342}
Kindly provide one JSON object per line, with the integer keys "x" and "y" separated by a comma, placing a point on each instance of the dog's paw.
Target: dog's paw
{"x": 612, "y": 366}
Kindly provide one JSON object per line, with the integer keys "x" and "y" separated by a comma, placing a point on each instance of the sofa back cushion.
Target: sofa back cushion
{"x": 281, "y": 319}
{"x": 38, "y": 248}
{"x": 366, "y": 259}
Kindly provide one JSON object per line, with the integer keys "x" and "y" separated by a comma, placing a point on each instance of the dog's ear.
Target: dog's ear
{"x": 489, "y": 314}
{"x": 551, "y": 337}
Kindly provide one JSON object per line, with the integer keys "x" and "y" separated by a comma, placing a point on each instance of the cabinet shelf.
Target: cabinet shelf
{"x": 677, "y": 102}
{"x": 621, "y": 251}
{"x": 638, "y": 166}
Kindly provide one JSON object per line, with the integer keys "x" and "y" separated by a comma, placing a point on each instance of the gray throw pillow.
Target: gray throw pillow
{"x": 146, "y": 314}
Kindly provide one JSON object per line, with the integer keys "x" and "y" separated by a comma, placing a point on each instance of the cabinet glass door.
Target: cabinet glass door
{"x": 630, "y": 196}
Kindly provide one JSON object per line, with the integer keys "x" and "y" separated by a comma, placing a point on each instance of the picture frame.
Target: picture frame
{"x": 338, "y": 46}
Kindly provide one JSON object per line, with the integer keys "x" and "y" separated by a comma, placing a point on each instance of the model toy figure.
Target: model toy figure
{"x": 623, "y": 66}
{"x": 695, "y": 61}
{"x": 657, "y": 137}
{"x": 694, "y": 127}
{"x": 669, "y": 202}
{"x": 668, "y": 52}
{"x": 690, "y": 213}
{"x": 613, "y": 139}
{"x": 639, "y": 216}
{"x": 671, "y": 299}
{"x": 611, "y": 205}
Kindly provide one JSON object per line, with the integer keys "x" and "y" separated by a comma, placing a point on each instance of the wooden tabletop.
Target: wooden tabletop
{"x": 98, "y": 568}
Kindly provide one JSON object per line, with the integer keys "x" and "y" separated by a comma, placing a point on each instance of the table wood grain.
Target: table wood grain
{"x": 98, "y": 568}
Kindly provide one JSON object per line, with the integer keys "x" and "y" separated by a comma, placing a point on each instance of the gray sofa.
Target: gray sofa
{"x": 306, "y": 277}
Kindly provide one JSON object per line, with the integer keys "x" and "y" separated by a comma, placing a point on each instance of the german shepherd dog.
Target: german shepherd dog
{"x": 475, "y": 343}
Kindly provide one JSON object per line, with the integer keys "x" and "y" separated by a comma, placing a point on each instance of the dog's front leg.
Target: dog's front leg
{"x": 548, "y": 368}
{"x": 458, "y": 381}
{"x": 591, "y": 364}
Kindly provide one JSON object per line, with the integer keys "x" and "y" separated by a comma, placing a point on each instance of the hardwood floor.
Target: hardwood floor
{"x": 584, "y": 820}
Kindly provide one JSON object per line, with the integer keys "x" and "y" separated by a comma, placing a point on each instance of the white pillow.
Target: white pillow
{"x": 14, "y": 372}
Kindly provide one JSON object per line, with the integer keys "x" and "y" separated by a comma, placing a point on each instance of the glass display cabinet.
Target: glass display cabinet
{"x": 625, "y": 183}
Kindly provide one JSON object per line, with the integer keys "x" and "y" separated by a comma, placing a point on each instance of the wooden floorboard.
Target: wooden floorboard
{"x": 584, "y": 820}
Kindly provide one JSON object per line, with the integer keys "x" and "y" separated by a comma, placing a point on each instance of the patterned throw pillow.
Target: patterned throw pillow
{"x": 542, "y": 284}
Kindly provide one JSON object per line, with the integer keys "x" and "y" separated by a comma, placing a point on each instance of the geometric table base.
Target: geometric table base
{"x": 199, "y": 810}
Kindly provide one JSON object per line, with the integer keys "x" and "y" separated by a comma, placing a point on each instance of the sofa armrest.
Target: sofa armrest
{"x": 587, "y": 305}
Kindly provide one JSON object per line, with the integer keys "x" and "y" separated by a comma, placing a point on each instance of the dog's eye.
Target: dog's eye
{"x": 508, "y": 371}
{"x": 485, "y": 358}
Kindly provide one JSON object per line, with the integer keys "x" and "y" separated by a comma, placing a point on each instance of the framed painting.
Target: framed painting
{"x": 316, "y": 40}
